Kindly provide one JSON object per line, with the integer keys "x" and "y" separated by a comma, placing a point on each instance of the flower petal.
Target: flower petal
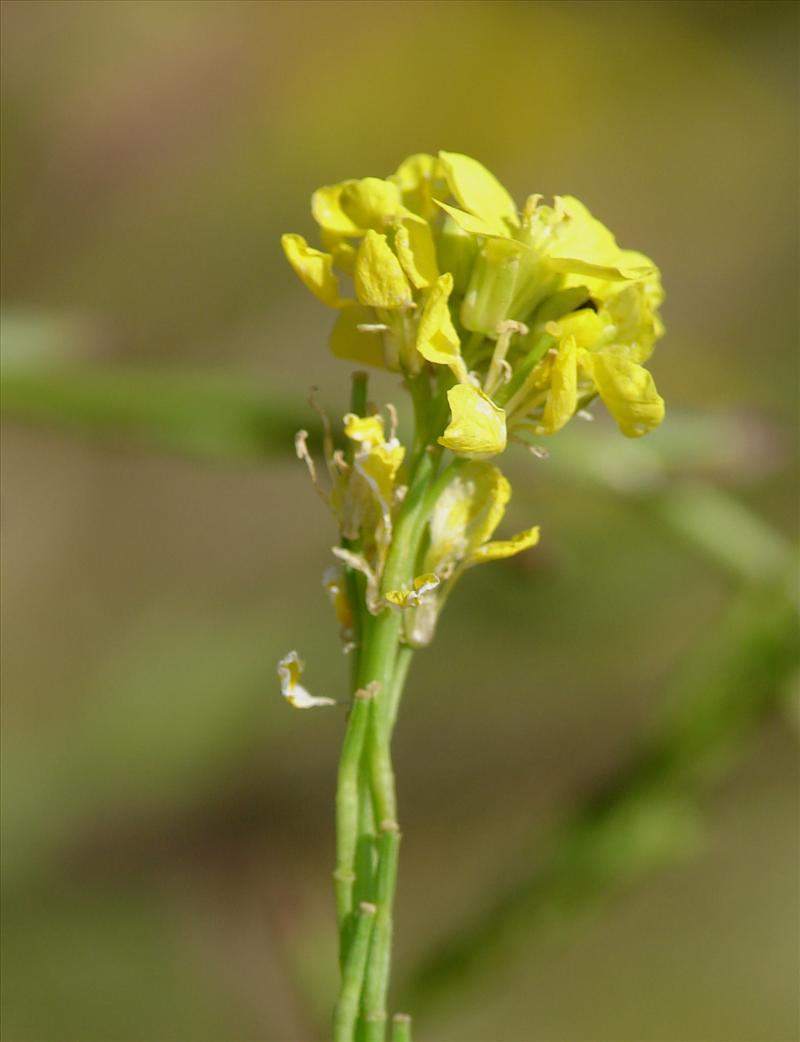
{"x": 465, "y": 515}
{"x": 343, "y": 251}
{"x": 437, "y": 339}
{"x": 371, "y": 202}
{"x": 364, "y": 346}
{"x": 419, "y": 178}
{"x": 505, "y": 547}
{"x": 477, "y": 426}
{"x": 315, "y": 268}
{"x": 289, "y": 669}
{"x": 476, "y": 189}
{"x": 366, "y": 430}
{"x": 491, "y": 228}
{"x": 422, "y": 585}
{"x": 583, "y": 246}
{"x": 413, "y": 241}
{"x": 562, "y": 397}
{"x": 326, "y": 207}
{"x": 628, "y": 390}
{"x": 379, "y": 278}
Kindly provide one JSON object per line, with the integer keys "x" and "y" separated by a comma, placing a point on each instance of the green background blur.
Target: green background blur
{"x": 167, "y": 837}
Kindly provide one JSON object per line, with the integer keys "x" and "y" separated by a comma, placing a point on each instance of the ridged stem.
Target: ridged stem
{"x": 376, "y": 981}
{"x": 401, "y": 1027}
{"x": 347, "y": 1006}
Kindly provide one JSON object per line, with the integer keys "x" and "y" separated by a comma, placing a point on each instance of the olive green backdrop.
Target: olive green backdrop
{"x": 167, "y": 833}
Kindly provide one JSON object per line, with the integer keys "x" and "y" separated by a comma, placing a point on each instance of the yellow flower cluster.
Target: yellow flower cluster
{"x": 525, "y": 316}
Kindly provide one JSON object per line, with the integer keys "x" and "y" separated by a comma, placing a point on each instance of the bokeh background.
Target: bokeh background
{"x": 167, "y": 829}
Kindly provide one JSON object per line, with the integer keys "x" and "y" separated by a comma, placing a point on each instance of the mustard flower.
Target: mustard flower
{"x": 533, "y": 313}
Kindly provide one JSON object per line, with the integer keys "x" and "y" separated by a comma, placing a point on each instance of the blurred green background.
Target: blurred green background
{"x": 167, "y": 821}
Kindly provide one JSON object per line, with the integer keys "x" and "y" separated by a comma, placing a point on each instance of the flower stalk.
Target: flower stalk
{"x": 502, "y": 324}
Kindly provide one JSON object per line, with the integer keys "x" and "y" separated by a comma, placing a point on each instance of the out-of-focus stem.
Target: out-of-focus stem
{"x": 376, "y": 979}
{"x": 401, "y": 1027}
{"x": 364, "y": 882}
{"x": 401, "y": 664}
{"x": 346, "y": 1012}
{"x": 347, "y": 813}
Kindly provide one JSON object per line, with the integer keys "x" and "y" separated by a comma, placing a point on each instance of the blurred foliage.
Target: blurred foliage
{"x": 645, "y": 813}
{"x": 206, "y": 415}
{"x": 166, "y": 823}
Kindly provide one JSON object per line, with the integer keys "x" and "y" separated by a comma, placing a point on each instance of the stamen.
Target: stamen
{"x": 494, "y": 377}
{"x": 302, "y": 453}
{"x": 392, "y": 414}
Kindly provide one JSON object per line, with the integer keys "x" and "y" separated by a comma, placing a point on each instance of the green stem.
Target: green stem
{"x": 364, "y": 882}
{"x": 384, "y": 633}
{"x": 347, "y": 814}
{"x": 366, "y": 749}
{"x": 401, "y": 1027}
{"x": 376, "y": 981}
{"x": 350, "y": 807}
{"x": 401, "y": 663}
{"x": 381, "y": 640}
{"x": 346, "y": 1012}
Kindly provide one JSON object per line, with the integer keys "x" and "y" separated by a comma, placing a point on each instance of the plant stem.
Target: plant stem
{"x": 381, "y": 671}
{"x": 364, "y": 882}
{"x": 346, "y": 1013}
{"x": 401, "y": 1027}
{"x": 347, "y": 814}
{"x": 376, "y": 979}
{"x": 401, "y": 663}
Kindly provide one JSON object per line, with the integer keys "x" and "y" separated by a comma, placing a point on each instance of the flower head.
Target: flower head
{"x": 523, "y": 316}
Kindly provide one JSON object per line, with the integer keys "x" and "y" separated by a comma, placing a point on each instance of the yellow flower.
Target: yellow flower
{"x": 602, "y": 352}
{"x": 501, "y": 548}
{"x": 462, "y": 522}
{"x": 416, "y": 251}
{"x": 477, "y": 427}
{"x": 419, "y": 178}
{"x": 448, "y": 272}
{"x": 370, "y": 491}
{"x": 478, "y": 191}
{"x": 379, "y": 278}
{"x": 437, "y": 339}
{"x": 354, "y": 338}
{"x": 465, "y": 515}
{"x": 628, "y": 390}
{"x": 350, "y": 208}
{"x": 562, "y": 397}
{"x": 289, "y": 669}
{"x": 314, "y": 268}
{"x": 421, "y": 585}
{"x": 366, "y": 430}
